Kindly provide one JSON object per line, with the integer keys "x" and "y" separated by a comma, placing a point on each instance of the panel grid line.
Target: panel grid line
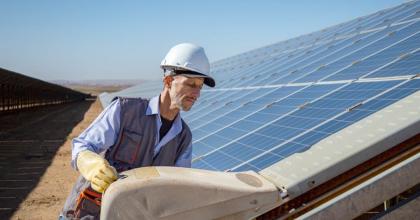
{"x": 282, "y": 116}
{"x": 278, "y": 146}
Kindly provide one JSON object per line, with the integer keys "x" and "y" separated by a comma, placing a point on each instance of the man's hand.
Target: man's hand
{"x": 96, "y": 169}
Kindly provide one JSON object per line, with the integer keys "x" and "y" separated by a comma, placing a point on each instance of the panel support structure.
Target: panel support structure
{"x": 369, "y": 194}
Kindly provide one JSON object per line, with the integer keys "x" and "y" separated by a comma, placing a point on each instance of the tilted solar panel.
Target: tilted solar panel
{"x": 281, "y": 99}
{"x": 280, "y": 129}
{"x": 290, "y": 126}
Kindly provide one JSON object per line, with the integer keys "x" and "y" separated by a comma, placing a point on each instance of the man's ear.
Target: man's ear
{"x": 167, "y": 81}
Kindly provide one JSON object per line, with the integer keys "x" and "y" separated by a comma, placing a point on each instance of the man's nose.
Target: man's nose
{"x": 196, "y": 92}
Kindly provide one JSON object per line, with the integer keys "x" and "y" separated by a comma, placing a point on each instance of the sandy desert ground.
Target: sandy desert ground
{"x": 35, "y": 152}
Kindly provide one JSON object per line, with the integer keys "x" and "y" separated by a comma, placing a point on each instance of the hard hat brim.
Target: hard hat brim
{"x": 208, "y": 80}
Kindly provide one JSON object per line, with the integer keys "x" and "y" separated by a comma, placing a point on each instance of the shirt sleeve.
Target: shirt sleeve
{"x": 101, "y": 134}
{"x": 184, "y": 159}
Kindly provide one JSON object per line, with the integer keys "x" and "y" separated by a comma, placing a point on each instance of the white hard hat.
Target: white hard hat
{"x": 189, "y": 60}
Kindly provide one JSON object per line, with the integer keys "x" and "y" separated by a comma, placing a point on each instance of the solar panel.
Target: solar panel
{"x": 247, "y": 106}
{"x": 274, "y": 105}
{"x": 227, "y": 105}
{"x": 292, "y": 125}
{"x": 388, "y": 37}
{"x": 370, "y": 107}
{"x": 335, "y": 124}
{"x": 281, "y": 99}
{"x": 394, "y": 16}
{"x": 373, "y": 62}
{"x": 406, "y": 64}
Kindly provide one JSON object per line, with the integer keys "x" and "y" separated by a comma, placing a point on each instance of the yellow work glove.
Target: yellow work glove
{"x": 96, "y": 169}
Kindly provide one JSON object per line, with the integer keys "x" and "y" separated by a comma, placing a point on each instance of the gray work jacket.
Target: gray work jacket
{"x": 135, "y": 145}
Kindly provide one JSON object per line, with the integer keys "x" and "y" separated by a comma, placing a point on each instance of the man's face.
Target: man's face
{"x": 185, "y": 91}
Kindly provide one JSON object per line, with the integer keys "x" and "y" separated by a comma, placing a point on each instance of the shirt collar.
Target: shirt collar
{"x": 153, "y": 109}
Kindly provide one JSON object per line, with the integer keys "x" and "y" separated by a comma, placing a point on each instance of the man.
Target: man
{"x": 132, "y": 133}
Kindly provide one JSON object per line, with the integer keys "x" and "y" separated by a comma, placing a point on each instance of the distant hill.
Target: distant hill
{"x": 109, "y": 82}
{"x": 95, "y": 87}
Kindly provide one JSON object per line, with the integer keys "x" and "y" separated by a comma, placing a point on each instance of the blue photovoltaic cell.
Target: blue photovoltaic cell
{"x": 397, "y": 15}
{"x": 261, "y": 117}
{"x": 246, "y": 108}
{"x": 308, "y": 74}
{"x": 370, "y": 107}
{"x": 229, "y": 103}
{"x": 307, "y": 65}
{"x": 414, "y": 16}
{"x": 311, "y": 73}
{"x": 406, "y": 65}
{"x": 211, "y": 120}
{"x": 277, "y": 68}
{"x": 371, "y": 63}
{"x": 344, "y": 62}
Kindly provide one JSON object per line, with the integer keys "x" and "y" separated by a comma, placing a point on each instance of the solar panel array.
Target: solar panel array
{"x": 281, "y": 99}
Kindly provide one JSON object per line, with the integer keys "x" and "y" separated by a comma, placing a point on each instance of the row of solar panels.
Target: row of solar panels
{"x": 281, "y": 99}
{"x": 401, "y": 13}
{"x": 286, "y": 65}
{"x": 292, "y": 100}
{"x": 286, "y": 120}
{"x": 346, "y": 59}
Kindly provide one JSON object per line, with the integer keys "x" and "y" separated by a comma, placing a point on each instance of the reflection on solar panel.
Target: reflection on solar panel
{"x": 281, "y": 99}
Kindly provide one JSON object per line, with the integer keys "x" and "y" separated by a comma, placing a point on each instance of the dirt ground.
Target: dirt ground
{"x": 35, "y": 154}
{"x": 96, "y": 90}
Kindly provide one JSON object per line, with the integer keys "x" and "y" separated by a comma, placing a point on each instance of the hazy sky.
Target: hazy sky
{"x": 87, "y": 39}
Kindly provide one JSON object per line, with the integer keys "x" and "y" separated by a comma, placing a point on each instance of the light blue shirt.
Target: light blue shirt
{"x": 103, "y": 133}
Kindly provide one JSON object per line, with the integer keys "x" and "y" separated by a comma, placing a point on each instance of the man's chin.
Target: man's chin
{"x": 186, "y": 108}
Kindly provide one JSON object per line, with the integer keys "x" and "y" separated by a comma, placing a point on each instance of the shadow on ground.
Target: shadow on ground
{"x": 29, "y": 139}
